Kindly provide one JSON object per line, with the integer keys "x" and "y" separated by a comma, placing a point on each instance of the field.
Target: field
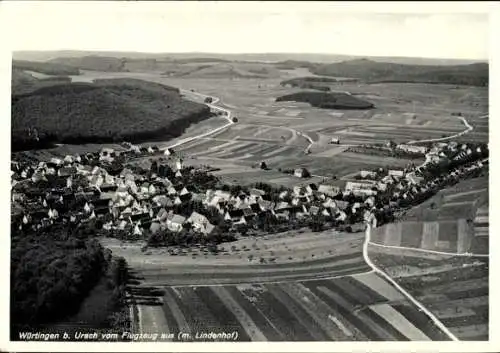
{"x": 454, "y": 289}
{"x": 351, "y": 308}
{"x": 280, "y": 132}
{"x": 455, "y": 220}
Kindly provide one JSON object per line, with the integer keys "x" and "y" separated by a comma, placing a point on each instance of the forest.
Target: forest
{"x": 375, "y": 72}
{"x": 105, "y": 111}
{"x": 54, "y": 270}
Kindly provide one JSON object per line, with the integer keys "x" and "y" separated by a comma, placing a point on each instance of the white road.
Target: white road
{"x": 468, "y": 129}
{"x": 212, "y": 106}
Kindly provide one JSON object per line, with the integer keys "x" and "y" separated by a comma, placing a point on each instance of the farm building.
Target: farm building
{"x": 367, "y": 173}
{"x": 412, "y": 148}
{"x": 107, "y": 154}
{"x": 398, "y": 173}
{"x": 169, "y": 152}
{"x": 328, "y": 190}
{"x": 335, "y": 141}
{"x": 175, "y": 222}
{"x": 301, "y": 173}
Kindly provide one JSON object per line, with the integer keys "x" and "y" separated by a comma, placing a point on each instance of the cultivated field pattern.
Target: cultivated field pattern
{"x": 358, "y": 307}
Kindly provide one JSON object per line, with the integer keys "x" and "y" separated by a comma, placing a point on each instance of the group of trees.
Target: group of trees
{"x": 51, "y": 274}
{"x": 385, "y": 151}
{"x": 327, "y": 100}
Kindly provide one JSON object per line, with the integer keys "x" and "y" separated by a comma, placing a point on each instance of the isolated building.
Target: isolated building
{"x": 301, "y": 173}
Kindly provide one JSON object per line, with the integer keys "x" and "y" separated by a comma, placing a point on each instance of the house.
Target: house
{"x": 107, "y": 154}
{"x": 301, "y": 173}
{"x": 234, "y": 215}
{"x": 84, "y": 169}
{"x": 106, "y": 187}
{"x": 413, "y": 148}
{"x": 397, "y": 173}
{"x": 169, "y": 152}
{"x": 200, "y": 223}
{"x": 328, "y": 190}
{"x": 311, "y": 188}
{"x": 175, "y": 222}
{"x": 352, "y": 186}
{"x": 298, "y": 190}
{"x": 367, "y": 174}
{"x": 68, "y": 159}
{"x": 257, "y": 194}
{"x": 370, "y": 201}
{"x": 341, "y": 216}
{"x": 56, "y": 161}
{"x": 414, "y": 179}
{"x": 137, "y": 230}
{"x": 342, "y": 205}
{"x": 314, "y": 210}
{"x": 335, "y": 141}
{"x": 178, "y": 174}
{"x": 265, "y": 205}
{"x": 67, "y": 171}
{"x": 225, "y": 195}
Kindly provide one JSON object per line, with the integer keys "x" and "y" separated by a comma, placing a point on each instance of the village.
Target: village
{"x": 117, "y": 198}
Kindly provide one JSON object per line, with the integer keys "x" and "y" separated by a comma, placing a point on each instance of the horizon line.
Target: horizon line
{"x": 248, "y": 53}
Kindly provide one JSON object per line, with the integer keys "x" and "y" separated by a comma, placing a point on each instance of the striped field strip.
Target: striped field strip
{"x": 245, "y": 320}
{"x": 399, "y": 322}
{"x": 177, "y": 313}
{"x": 377, "y": 284}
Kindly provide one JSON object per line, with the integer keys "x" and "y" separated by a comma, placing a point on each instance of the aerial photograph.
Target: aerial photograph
{"x": 250, "y": 175}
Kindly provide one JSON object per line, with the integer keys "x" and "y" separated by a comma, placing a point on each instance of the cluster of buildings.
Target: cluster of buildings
{"x": 82, "y": 187}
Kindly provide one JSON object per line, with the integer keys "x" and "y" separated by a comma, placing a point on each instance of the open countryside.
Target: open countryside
{"x": 272, "y": 220}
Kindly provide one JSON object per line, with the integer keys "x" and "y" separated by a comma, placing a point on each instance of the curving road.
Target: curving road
{"x": 212, "y": 106}
{"x": 468, "y": 129}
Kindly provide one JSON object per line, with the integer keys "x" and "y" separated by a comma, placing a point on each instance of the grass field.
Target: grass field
{"x": 455, "y": 290}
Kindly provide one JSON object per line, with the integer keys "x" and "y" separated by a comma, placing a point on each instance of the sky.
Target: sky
{"x": 449, "y": 31}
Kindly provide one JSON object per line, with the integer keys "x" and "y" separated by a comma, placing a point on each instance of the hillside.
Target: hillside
{"x": 47, "y": 68}
{"x": 24, "y": 82}
{"x": 327, "y": 100}
{"x": 372, "y": 71}
{"x": 106, "y": 111}
{"x": 181, "y": 67}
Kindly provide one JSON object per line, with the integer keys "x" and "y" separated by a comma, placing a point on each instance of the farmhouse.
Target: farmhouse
{"x": 367, "y": 174}
{"x": 107, "y": 154}
{"x": 301, "y": 173}
{"x": 398, "y": 173}
{"x": 169, "y": 152}
{"x": 200, "y": 223}
{"x": 328, "y": 190}
{"x": 412, "y": 148}
{"x": 175, "y": 222}
{"x": 358, "y": 185}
